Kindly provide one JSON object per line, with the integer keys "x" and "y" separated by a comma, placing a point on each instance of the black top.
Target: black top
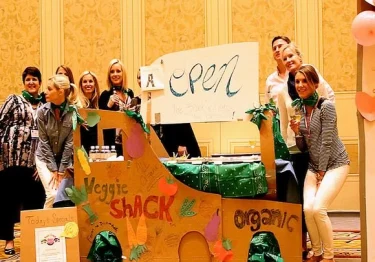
{"x": 292, "y": 87}
{"x": 174, "y": 135}
{"x": 110, "y": 134}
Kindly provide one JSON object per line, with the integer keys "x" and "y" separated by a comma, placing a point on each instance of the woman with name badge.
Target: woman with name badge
{"x": 18, "y": 139}
{"x": 328, "y": 167}
{"x": 54, "y": 155}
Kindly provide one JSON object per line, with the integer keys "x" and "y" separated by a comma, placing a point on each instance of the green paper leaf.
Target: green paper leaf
{"x": 134, "y": 254}
{"x": 227, "y": 244}
{"x": 74, "y": 120}
{"x": 138, "y": 118}
{"x": 93, "y": 118}
{"x": 186, "y": 207}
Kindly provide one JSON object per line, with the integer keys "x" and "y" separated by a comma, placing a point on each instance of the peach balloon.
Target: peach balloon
{"x": 371, "y": 2}
{"x": 363, "y": 28}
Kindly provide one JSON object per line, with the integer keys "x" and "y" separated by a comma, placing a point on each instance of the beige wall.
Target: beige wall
{"x": 87, "y": 34}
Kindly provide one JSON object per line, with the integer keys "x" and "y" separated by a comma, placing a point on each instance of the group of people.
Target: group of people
{"x": 36, "y": 138}
{"x": 308, "y": 123}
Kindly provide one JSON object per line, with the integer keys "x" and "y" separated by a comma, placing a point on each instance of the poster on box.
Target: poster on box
{"x": 49, "y": 245}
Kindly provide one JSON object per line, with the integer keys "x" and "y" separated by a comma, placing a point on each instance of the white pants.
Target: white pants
{"x": 316, "y": 201}
{"x": 45, "y": 176}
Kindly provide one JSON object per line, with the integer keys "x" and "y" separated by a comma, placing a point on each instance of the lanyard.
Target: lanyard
{"x": 308, "y": 124}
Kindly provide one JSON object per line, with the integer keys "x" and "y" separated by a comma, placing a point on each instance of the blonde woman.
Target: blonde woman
{"x": 88, "y": 97}
{"x": 292, "y": 60}
{"x": 54, "y": 154}
{"x": 116, "y": 98}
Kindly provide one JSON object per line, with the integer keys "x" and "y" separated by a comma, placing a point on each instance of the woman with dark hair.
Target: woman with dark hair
{"x": 18, "y": 140}
{"x": 328, "y": 167}
{"x": 65, "y": 70}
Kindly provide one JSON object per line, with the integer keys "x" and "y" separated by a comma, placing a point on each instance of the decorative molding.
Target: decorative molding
{"x": 132, "y": 30}
{"x": 51, "y": 37}
{"x": 308, "y": 30}
{"x": 212, "y": 32}
{"x": 225, "y": 21}
{"x": 207, "y": 143}
{"x": 218, "y": 22}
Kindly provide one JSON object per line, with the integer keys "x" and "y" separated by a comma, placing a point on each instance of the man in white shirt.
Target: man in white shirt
{"x": 277, "y": 80}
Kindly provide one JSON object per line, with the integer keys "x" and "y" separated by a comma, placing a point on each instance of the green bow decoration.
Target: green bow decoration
{"x": 79, "y": 197}
{"x": 76, "y": 117}
{"x": 138, "y": 118}
{"x": 258, "y": 113}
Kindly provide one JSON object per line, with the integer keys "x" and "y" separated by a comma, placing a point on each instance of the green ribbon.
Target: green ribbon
{"x": 258, "y": 113}
{"x": 138, "y": 118}
{"x": 79, "y": 197}
{"x": 32, "y": 100}
{"x": 310, "y": 101}
{"x": 76, "y": 117}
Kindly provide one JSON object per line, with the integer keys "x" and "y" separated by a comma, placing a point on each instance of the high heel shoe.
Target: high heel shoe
{"x": 312, "y": 258}
{"x": 9, "y": 251}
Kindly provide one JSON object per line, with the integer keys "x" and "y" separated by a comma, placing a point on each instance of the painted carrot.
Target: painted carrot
{"x": 142, "y": 230}
{"x": 131, "y": 235}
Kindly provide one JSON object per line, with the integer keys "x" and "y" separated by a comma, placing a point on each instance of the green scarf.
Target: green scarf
{"x": 76, "y": 117}
{"x": 32, "y": 100}
{"x": 310, "y": 101}
{"x": 60, "y": 107}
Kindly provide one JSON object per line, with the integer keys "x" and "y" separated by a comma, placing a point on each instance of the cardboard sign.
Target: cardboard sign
{"x": 244, "y": 219}
{"x": 49, "y": 235}
{"x": 152, "y": 78}
{"x": 155, "y": 217}
{"x": 206, "y": 85}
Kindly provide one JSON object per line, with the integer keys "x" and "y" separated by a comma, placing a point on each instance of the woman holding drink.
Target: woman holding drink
{"x": 328, "y": 166}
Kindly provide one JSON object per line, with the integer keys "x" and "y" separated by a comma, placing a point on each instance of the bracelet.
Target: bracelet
{"x": 299, "y": 135}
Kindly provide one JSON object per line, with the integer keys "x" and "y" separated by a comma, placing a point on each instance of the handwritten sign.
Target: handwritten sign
{"x": 152, "y": 78}
{"x": 206, "y": 85}
{"x": 37, "y": 227}
{"x": 245, "y": 219}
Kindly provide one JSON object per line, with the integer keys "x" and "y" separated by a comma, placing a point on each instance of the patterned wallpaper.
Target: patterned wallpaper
{"x": 92, "y": 36}
{"x": 261, "y": 21}
{"x": 19, "y": 42}
{"x": 339, "y": 47}
{"x": 172, "y": 26}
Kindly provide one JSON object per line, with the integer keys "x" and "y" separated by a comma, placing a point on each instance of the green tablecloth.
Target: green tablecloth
{"x": 228, "y": 180}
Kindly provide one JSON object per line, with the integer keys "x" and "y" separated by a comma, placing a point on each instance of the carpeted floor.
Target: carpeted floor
{"x": 347, "y": 242}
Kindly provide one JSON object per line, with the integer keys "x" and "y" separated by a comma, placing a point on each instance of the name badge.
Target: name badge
{"x": 34, "y": 133}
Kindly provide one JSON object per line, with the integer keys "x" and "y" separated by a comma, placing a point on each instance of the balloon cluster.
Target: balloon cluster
{"x": 363, "y": 27}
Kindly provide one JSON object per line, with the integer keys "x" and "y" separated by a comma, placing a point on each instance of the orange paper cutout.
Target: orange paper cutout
{"x": 365, "y": 105}
{"x": 167, "y": 186}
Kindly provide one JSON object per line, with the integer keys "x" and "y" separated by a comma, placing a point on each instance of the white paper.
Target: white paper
{"x": 49, "y": 246}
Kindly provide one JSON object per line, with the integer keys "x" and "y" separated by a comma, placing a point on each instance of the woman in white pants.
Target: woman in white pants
{"x": 55, "y": 148}
{"x": 328, "y": 160}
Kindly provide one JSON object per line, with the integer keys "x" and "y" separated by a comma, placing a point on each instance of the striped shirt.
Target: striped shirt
{"x": 321, "y": 139}
{"x": 16, "y": 122}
